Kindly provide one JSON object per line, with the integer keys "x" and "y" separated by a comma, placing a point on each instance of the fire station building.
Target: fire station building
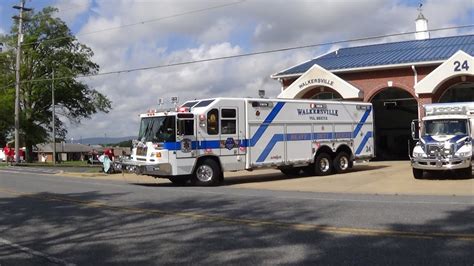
{"x": 397, "y": 78}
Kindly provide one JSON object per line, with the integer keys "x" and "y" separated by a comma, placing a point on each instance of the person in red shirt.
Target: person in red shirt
{"x": 109, "y": 153}
{"x": 9, "y": 153}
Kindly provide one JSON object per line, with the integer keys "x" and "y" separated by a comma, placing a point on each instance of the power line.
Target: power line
{"x": 137, "y": 23}
{"x": 238, "y": 56}
{"x": 245, "y": 55}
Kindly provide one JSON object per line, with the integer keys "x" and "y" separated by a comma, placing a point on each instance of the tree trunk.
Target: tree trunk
{"x": 29, "y": 152}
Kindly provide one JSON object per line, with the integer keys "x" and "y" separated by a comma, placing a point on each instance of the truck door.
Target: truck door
{"x": 186, "y": 136}
{"x": 230, "y": 137}
{"x": 229, "y": 132}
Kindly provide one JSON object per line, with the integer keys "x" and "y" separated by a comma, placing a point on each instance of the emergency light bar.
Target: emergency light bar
{"x": 318, "y": 106}
{"x": 446, "y": 110}
{"x": 262, "y": 104}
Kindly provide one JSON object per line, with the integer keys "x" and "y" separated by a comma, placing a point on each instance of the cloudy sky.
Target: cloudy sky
{"x": 176, "y": 31}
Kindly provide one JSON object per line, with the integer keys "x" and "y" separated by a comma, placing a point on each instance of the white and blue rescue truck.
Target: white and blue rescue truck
{"x": 202, "y": 139}
{"x": 445, "y": 139}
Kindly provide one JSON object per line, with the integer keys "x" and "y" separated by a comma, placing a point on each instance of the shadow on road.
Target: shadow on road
{"x": 446, "y": 175}
{"x": 258, "y": 177}
{"x": 182, "y": 230}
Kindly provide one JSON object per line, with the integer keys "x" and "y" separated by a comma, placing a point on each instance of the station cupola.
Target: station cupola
{"x": 421, "y": 22}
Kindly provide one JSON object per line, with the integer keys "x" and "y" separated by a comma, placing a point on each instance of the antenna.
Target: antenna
{"x": 420, "y": 7}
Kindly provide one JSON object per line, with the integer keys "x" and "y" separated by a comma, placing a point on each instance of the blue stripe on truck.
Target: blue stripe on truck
{"x": 363, "y": 142}
{"x": 361, "y": 123}
{"x": 266, "y": 151}
{"x": 268, "y": 120}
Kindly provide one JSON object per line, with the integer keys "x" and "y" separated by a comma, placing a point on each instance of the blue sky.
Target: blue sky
{"x": 249, "y": 26}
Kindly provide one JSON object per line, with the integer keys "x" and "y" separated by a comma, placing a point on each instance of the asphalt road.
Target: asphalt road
{"x": 48, "y": 219}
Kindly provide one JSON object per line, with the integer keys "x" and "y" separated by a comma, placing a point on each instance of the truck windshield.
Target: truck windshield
{"x": 158, "y": 129}
{"x": 445, "y": 127}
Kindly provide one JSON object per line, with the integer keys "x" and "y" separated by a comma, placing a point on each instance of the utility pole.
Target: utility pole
{"x": 17, "y": 82}
{"x": 54, "y": 117}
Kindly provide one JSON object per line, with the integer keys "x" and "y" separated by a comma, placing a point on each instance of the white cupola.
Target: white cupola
{"x": 422, "y": 32}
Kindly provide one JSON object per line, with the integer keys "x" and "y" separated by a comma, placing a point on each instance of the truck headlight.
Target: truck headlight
{"x": 465, "y": 151}
{"x": 418, "y": 154}
{"x": 465, "y": 154}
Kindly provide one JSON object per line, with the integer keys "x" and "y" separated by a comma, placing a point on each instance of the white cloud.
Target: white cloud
{"x": 70, "y": 9}
{"x": 247, "y": 27}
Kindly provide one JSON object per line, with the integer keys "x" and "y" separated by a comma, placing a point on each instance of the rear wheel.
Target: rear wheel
{"x": 323, "y": 164}
{"x": 417, "y": 173}
{"x": 207, "y": 173}
{"x": 341, "y": 162}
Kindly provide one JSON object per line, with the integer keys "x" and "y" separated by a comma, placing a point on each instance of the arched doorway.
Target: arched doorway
{"x": 394, "y": 109}
{"x": 461, "y": 92}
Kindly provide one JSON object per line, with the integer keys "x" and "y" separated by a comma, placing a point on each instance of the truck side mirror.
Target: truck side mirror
{"x": 415, "y": 129}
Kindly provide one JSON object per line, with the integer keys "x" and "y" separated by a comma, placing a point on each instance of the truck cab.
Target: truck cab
{"x": 199, "y": 139}
{"x": 445, "y": 139}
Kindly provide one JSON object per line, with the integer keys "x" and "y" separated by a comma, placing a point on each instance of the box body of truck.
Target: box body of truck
{"x": 445, "y": 139}
{"x": 231, "y": 134}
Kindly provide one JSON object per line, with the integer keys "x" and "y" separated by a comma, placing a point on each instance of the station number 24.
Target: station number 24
{"x": 458, "y": 66}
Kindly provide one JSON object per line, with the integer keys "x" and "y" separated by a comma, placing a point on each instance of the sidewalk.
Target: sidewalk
{"x": 392, "y": 177}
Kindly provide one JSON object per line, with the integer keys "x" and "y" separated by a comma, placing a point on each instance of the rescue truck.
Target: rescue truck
{"x": 445, "y": 139}
{"x": 202, "y": 139}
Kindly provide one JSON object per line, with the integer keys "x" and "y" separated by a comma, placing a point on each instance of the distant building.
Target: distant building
{"x": 74, "y": 152}
{"x": 64, "y": 152}
{"x": 397, "y": 78}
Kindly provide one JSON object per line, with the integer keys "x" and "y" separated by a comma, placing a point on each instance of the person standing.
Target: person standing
{"x": 109, "y": 153}
{"x": 9, "y": 154}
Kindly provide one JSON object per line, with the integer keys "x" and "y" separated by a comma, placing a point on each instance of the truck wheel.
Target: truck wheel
{"x": 323, "y": 164}
{"x": 207, "y": 173}
{"x": 417, "y": 173}
{"x": 341, "y": 162}
{"x": 179, "y": 180}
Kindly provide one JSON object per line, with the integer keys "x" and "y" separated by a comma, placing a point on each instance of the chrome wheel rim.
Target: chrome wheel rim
{"x": 324, "y": 165}
{"x": 343, "y": 163}
{"x": 204, "y": 173}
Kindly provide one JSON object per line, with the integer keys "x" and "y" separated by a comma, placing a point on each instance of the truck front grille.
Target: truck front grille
{"x": 434, "y": 150}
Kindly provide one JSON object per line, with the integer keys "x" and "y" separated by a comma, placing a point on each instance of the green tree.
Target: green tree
{"x": 7, "y": 95}
{"x": 50, "y": 47}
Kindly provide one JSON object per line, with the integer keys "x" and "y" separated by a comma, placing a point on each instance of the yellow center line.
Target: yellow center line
{"x": 252, "y": 222}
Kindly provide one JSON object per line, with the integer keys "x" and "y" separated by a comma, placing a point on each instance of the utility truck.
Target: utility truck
{"x": 202, "y": 139}
{"x": 445, "y": 138}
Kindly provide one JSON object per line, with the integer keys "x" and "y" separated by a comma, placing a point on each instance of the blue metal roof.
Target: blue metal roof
{"x": 416, "y": 51}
